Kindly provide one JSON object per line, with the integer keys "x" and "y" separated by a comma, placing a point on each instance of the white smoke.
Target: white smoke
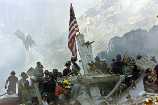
{"x": 111, "y": 18}
{"x": 135, "y": 42}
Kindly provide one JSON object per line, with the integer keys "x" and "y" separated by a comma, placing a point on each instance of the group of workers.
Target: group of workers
{"x": 54, "y": 87}
{"x": 43, "y": 87}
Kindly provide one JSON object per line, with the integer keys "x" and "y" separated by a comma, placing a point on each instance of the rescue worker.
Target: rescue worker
{"x": 56, "y": 74}
{"x": 51, "y": 89}
{"x": 75, "y": 66}
{"x": 58, "y": 92}
{"x": 24, "y": 89}
{"x": 46, "y": 74}
{"x": 44, "y": 83}
{"x": 11, "y": 83}
{"x": 67, "y": 70}
{"x": 65, "y": 93}
{"x": 38, "y": 73}
{"x": 33, "y": 88}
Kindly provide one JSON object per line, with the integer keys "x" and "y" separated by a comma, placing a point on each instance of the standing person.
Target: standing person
{"x": 51, "y": 89}
{"x": 11, "y": 83}
{"x": 58, "y": 92}
{"x": 24, "y": 89}
{"x": 57, "y": 74}
{"x": 34, "y": 90}
{"x": 38, "y": 73}
{"x": 45, "y": 84}
{"x": 75, "y": 66}
{"x": 67, "y": 70}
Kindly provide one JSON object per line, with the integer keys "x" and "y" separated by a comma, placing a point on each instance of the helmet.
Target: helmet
{"x": 68, "y": 63}
{"x": 38, "y": 63}
{"x": 73, "y": 59}
{"x": 13, "y": 72}
{"x": 46, "y": 72}
{"x": 24, "y": 75}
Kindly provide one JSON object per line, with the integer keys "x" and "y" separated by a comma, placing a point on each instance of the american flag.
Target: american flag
{"x": 73, "y": 30}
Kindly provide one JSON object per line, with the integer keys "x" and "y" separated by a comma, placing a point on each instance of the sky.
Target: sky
{"x": 47, "y": 22}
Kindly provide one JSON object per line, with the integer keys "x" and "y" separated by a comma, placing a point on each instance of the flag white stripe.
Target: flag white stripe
{"x": 74, "y": 20}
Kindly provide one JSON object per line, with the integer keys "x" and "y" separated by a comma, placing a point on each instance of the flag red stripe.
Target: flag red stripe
{"x": 73, "y": 29}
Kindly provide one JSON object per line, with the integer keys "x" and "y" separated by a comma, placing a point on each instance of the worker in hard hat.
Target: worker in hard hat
{"x": 11, "y": 83}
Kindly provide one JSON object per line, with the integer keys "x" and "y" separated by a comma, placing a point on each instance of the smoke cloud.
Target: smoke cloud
{"x": 135, "y": 42}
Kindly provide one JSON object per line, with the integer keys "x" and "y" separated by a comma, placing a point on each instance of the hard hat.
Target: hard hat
{"x": 24, "y": 75}
{"x": 68, "y": 63}
{"x": 12, "y": 72}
